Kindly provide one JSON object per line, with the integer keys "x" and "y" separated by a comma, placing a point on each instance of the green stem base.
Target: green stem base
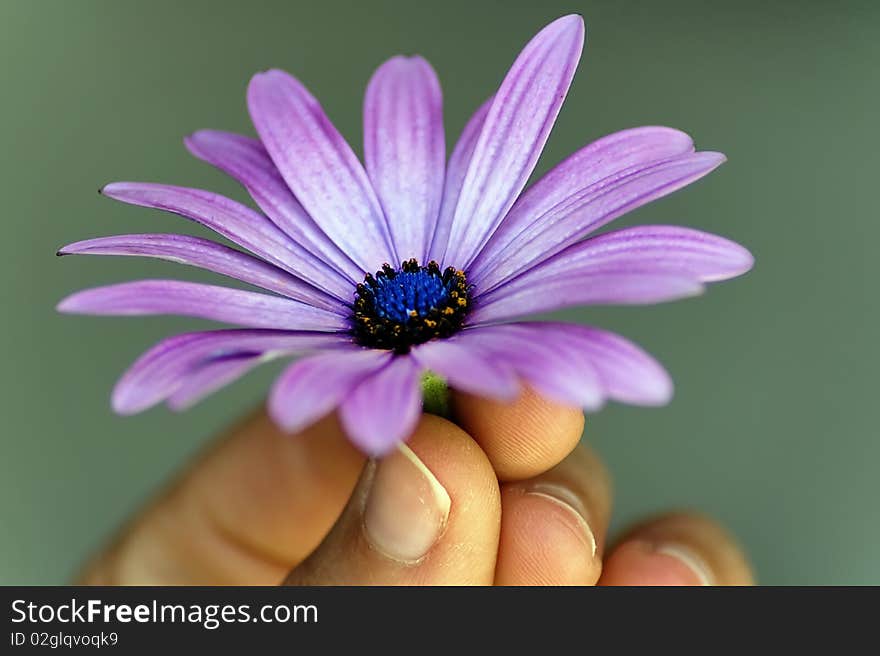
{"x": 435, "y": 395}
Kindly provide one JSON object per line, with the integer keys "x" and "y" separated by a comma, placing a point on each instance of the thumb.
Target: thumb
{"x": 427, "y": 514}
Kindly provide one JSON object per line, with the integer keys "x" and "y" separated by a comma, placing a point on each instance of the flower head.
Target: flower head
{"x": 411, "y": 263}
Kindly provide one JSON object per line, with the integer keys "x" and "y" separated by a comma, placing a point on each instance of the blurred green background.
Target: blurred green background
{"x": 774, "y": 425}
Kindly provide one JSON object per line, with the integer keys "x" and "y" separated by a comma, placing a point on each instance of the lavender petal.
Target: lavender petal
{"x": 456, "y": 169}
{"x": 531, "y": 295}
{"x": 405, "y": 150}
{"x": 592, "y": 207}
{"x": 313, "y": 387}
{"x": 647, "y": 250}
{"x": 239, "y": 224}
{"x": 468, "y": 369}
{"x": 513, "y": 136}
{"x": 627, "y": 373}
{"x": 605, "y": 160}
{"x": 320, "y": 168}
{"x": 552, "y": 367}
{"x": 382, "y": 411}
{"x": 162, "y": 369}
{"x": 320, "y": 260}
{"x": 212, "y": 376}
{"x": 209, "y": 255}
{"x": 188, "y": 299}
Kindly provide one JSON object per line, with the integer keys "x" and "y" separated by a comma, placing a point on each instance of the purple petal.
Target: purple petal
{"x": 189, "y": 299}
{"x": 649, "y": 250}
{"x": 405, "y": 150}
{"x": 513, "y": 136}
{"x": 211, "y": 376}
{"x": 455, "y": 171}
{"x": 468, "y": 369}
{"x": 247, "y": 161}
{"x": 311, "y": 388}
{"x": 627, "y": 373}
{"x": 320, "y": 168}
{"x": 591, "y": 208}
{"x": 209, "y": 255}
{"x": 533, "y": 294}
{"x": 238, "y": 223}
{"x": 161, "y": 370}
{"x": 383, "y": 410}
{"x": 605, "y": 159}
{"x": 551, "y": 366}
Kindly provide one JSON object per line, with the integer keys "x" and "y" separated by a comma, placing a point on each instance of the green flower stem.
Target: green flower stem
{"x": 435, "y": 395}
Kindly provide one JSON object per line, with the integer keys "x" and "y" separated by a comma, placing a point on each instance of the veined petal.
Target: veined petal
{"x": 247, "y": 161}
{"x": 405, "y": 149}
{"x": 209, "y": 255}
{"x": 189, "y": 299}
{"x": 384, "y": 408}
{"x": 552, "y": 367}
{"x": 320, "y": 168}
{"x": 161, "y": 370}
{"x": 468, "y": 369}
{"x": 313, "y": 387}
{"x": 456, "y": 169}
{"x": 239, "y": 224}
{"x": 213, "y": 375}
{"x": 513, "y": 136}
{"x": 661, "y": 250}
{"x": 535, "y": 294}
{"x": 627, "y": 373}
{"x": 603, "y": 160}
{"x": 591, "y": 208}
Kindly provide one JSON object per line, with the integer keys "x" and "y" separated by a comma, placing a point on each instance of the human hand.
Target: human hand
{"x": 506, "y": 497}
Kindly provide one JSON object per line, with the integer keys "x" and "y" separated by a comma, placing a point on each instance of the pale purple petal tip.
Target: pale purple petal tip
{"x": 211, "y": 256}
{"x": 161, "y": 370}
{"x": 318, "y": 259}
{"x": 542, "y": 235}
{"x": 238, "y": 223}
{"x": 574, "y": 364}
{"x": 187, "y": 299}
{"x": 313, "y": 387}
{"x": 516, "y": 128}
{"x": 405, "y": 149}
{"x": 383, "y": 410}
{"x": 602, "y": 161}
{"x": 534, "y": 295}
{"x": 548, "y": 364}
{"x": 319, "y": 167}
{"x": 468, "y": 369}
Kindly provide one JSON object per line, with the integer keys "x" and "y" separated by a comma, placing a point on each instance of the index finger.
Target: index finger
{"x": 523, "y": 438}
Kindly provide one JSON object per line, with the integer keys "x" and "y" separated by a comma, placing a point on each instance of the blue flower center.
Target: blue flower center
{"x": 399, "y": 308}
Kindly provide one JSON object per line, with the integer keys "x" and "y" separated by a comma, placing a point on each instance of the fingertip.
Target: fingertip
{"x": 553, "y": 526}
{"x": 677, "y": 549}
{"x": 522, "y": 438}
{"x": 545, "y": 540}
{"x": 429, "y": 513}
{"x": 641, "y": 563}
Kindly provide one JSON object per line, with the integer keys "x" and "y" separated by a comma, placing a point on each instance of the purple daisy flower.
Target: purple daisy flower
{"x": 411, "y": 263}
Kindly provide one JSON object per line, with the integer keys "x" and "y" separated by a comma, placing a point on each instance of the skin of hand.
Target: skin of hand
{"x": 507, "y": 496}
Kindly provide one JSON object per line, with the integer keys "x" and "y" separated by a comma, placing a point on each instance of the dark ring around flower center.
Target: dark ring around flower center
{"x": 399, "y": 308}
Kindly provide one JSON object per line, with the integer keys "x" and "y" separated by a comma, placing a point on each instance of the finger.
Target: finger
{"x": 553, "y": 526}
{"x": 428, "y": 514}
{"x": 677, "y": 549}
{"x": 523, "y": 438}
{"x": 245, "y": 512}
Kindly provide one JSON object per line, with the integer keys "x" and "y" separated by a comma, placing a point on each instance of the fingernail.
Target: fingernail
{"x": 406, "y": 508}
{"x": 568, "y": 501}
{"x": 689, "y": 559}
